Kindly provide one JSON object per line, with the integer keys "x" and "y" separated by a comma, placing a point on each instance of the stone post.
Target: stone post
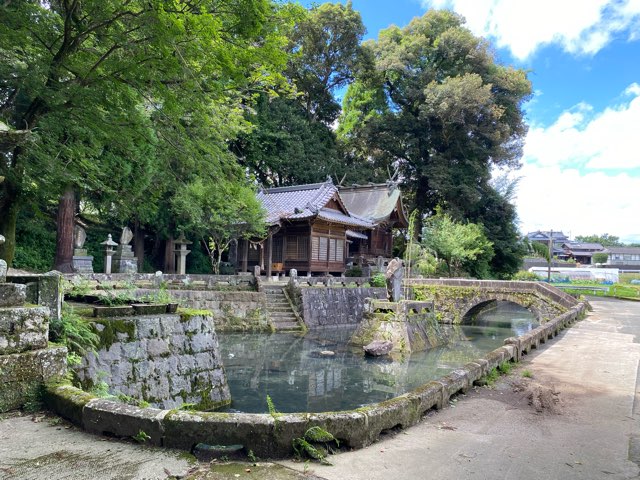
{"x": 108, "y": 253}
{"x": 181, "y": 254}
{"x": 256, "y": 271}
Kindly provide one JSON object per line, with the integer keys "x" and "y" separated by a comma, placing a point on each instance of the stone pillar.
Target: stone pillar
{"x": 181, "y": 254}
{"x": 108, "y": 253}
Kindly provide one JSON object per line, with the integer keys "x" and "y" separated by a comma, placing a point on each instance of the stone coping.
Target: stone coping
{"x": 270, "y": 436}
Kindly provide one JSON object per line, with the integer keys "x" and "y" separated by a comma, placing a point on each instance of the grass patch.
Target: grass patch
{"x": 527, "y": 374}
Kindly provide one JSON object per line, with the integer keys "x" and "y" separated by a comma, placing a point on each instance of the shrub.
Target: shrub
{"x": 525, "y": 276}
{"x": 378, "y": 280}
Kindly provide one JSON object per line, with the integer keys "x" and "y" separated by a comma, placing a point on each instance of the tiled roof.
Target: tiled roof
{"x": 375, "y": 202}
{"x": 306, "y": 201}
{"x": 623, "y": 250}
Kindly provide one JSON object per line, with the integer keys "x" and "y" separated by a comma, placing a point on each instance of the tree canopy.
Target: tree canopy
{"x": 164, "y": 114}
{"x": 119, "y": 94}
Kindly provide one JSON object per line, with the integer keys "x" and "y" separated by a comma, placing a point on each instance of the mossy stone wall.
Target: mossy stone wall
{"x": 165, "y": 360}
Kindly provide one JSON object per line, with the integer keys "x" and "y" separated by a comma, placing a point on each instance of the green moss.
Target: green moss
{"x": 187, "y": 313}
{"x": 108, "y": 336}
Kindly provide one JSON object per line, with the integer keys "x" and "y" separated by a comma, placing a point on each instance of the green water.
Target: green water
{"x": 292, "y": 372}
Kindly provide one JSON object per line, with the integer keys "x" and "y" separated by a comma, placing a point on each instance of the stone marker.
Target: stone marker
{"x": 81, "y": 262}
{"x": 378, "y": 348}
{"x": 124, "y": 261}
{"x": 394, "y": 275}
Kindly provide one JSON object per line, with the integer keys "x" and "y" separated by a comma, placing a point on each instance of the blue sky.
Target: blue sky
{"x": 581, "y": 163}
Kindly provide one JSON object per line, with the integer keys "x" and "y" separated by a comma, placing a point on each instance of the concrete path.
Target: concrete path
{"x": 582, "y": 424}
{"x": 575, "y": 418}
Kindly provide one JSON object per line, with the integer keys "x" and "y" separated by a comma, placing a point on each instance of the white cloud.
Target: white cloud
{"x": 579, "y": 26}
{"x": 582, "y": 173}
{"x": 583, "y": 138}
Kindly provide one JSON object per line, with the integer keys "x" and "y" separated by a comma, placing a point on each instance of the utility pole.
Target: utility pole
{"x": 550, "y": 256}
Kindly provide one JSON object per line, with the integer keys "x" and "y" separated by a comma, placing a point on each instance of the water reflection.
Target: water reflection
{"x": 297, "y": 375}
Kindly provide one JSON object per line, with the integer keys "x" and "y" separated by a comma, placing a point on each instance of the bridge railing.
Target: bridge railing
{"x": 542, "y": 289}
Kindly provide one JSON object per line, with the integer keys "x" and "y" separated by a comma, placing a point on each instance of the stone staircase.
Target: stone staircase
{"x": 279, "y": 309}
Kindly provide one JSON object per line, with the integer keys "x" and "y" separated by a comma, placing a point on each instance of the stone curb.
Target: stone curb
{"x": 270, "y": 436}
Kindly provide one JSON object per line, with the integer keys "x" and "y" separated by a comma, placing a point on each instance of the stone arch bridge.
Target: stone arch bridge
{"x": 455, "y": 299}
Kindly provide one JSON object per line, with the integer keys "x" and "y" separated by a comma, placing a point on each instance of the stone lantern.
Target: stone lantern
{"x": 108, "y": 252}
{"x": 181, "y": 254}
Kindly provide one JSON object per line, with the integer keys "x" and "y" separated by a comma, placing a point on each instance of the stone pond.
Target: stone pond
{"x": 359, "y": 398}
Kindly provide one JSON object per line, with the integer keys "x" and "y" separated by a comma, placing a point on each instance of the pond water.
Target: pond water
{"x": 290, "y": 369}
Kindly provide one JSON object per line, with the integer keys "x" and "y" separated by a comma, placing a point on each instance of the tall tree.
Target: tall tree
{"x": 441, "y": 108}
{"x": 293, "y": 140}
{"x": 110, "y": 88}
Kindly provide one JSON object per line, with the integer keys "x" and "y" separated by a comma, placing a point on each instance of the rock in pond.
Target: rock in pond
{"x": 378, "y": 348}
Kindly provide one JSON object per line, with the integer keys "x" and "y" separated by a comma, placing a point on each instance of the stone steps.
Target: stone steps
{"x": 279, "y": 309}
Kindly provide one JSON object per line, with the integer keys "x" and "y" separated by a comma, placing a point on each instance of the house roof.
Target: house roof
{"x": 623, "y": 250}
{"x": 308, "y": 201}
{"x": 578, "y": 246}
{"x": 544, "y": 235}
{"x": 375, "y": 202}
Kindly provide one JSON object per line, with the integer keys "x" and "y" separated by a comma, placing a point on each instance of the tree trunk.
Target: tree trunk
{"x": 64, "y": 238}
{"x": 8, "y": 217}
{"x": 138, "y": 244}
{"x": 169, "y": 256}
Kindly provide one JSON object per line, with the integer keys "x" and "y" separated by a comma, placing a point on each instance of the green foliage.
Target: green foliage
{"x": 73, "y": 331}
{"x": 316, "y": 444}
{"x": 505, "y": 368}
{"x": 219, "y": 212}
{"x": 35, "y": 242}
{"x": 378, "y": 280}
{"x": 354, "y": 271}
{"x": 458, "y": 245}
{"x": 525, "y": 276}
{"x": 599, "y": 257}
{"x": 128, "y": 100}
{"x": 141, "y": 437}
{"x": 438, "y": 100}
{"x": 605, "y": 240}
{"x": 527, "y": 374}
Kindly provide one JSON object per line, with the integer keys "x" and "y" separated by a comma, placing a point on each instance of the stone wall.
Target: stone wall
{"x": 331, "y": 306}
{"x": 26, "y": 360}
{"x": 165, "y": 360}
{"x": 230, "y": 310}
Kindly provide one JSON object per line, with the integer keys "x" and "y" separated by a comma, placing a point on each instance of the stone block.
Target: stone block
{"x": 12, "y": 294}
{"x": 23, "y": 328}
{"x": 157, "y": 347}
{"x": 105, "y": 417}
{"x": 23, "y": 374}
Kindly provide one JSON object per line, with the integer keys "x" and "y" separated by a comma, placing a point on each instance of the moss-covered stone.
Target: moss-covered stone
{"x": 111, "y": 327}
